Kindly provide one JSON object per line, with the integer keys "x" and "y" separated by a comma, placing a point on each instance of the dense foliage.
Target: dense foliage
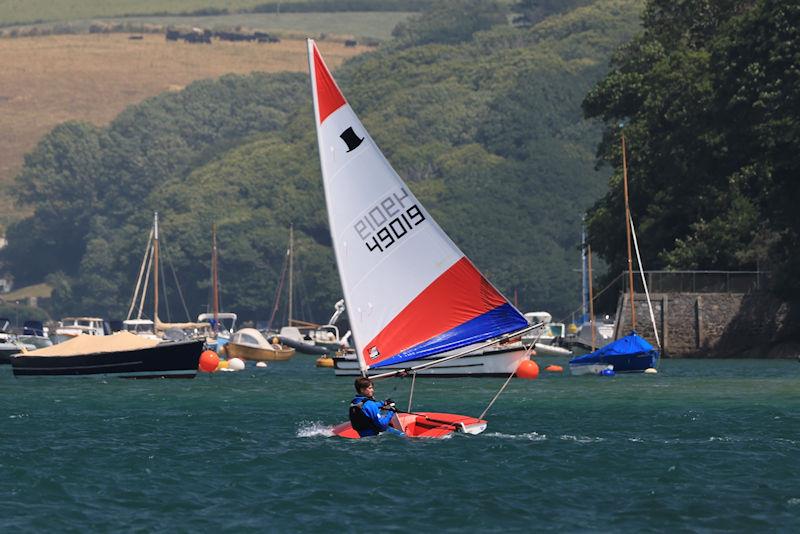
{"x": 483, "y": 121}
{"x": 709, "y": 94}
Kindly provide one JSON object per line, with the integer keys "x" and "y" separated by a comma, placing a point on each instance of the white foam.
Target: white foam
{"x": 530, "y": 436}
{"x": 581, "y": 439}
{"x": 312, "y": 429}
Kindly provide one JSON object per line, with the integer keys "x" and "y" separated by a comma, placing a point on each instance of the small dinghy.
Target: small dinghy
{"x": 410, "y": 291}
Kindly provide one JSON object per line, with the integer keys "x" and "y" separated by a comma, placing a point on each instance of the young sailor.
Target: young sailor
{"x": 365, "y": 412}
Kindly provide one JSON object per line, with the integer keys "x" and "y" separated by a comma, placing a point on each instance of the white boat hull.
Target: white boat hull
{"x": 498, "y": 362}
{"x": 551, "y": 350}
{"x": 591, "y": 369}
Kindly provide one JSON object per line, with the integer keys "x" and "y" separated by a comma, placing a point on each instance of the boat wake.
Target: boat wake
{"x": 581, "y": 439}
{"x": 313, "y": 429}
{"x": 529, "y": 436}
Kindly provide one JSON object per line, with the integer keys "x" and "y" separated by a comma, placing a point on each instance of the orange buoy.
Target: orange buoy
{"x": 208, "y": 361}
{"x": 527, "y": 369}
{"x": 554, "y": 369}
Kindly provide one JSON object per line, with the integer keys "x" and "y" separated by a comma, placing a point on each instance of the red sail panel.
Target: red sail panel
{"x": 329, "y": 98}
{"x": 459, "y": 295}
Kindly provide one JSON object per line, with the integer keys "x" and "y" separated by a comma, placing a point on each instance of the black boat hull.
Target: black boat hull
{"x": 167, "y": 360}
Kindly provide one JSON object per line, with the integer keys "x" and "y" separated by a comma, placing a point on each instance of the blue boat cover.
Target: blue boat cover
{"x": 619, "y": 352}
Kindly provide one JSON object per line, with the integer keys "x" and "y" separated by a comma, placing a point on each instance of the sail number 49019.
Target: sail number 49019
{"x": 395, "y": 229}
{"x": 389, "y": 221}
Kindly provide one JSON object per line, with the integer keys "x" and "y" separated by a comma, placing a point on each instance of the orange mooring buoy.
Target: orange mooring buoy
{"x": 208, "y": 361}
{"x": 554, "y": 369}
{"x": 527, "y": 369}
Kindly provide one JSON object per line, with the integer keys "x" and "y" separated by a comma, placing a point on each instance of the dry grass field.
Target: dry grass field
{"x": 92, "y": 77}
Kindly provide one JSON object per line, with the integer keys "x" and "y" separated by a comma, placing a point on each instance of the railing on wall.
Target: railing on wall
{"x": 702, "y": 281}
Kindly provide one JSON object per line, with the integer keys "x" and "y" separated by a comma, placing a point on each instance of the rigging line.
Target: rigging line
{"x": 146, "y": 284}
{"x": 498, "y": 394}
{"x": 164, "y": 278}
{"x": 278, "y": 290}
{"x": 219, "y": 283}
{"x": 597, "y": 295}
{"x": 644, "y": 283}
{"x": 177, "y": 284}
{"x": 141, "y": 273}
{"x": 411, "y": 393}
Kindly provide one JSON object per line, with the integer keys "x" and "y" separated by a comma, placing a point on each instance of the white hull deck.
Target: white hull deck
{"x": 496, "y": 362}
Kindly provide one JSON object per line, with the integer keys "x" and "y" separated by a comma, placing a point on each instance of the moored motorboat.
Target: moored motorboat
{"x": 36, "y": 334}
{"x": 291, "y": 337}
{"x": 122, "y": 354}
{"x": 70, "y": 327}
{"x": 250, "y": 344}
{"x": 9, "y": 343}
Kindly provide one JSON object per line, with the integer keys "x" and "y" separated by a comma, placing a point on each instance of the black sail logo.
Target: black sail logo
{"x": 351, "y": 139}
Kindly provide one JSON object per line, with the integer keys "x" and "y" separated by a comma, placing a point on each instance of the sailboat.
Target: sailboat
{"x": 409, "y": 291}
{"x": 632, "y": 353}
{"x": 222, "y": 324}
{"x": 123, "y": 354}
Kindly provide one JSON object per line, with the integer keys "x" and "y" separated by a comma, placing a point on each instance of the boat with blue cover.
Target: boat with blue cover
{"x": 629, "y": 354}
{"x": 632, "y": 353}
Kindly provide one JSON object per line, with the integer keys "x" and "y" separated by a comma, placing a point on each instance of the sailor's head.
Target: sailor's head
{"x": 364, "y": 386}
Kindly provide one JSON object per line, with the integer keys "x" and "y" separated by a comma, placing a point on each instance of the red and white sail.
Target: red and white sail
{"x": 410, "y": 292}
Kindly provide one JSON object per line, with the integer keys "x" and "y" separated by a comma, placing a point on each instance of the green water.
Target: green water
{"x": 710, "y": 446}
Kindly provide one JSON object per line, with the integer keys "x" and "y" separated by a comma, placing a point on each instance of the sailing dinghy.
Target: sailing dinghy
{"x": 409, "y": 291}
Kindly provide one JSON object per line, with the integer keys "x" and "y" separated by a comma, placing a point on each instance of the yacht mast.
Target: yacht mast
{"x": 628, "y": 229}
{"x": 155, "y": 270}
{"x": 214, "y": 276}
{"x": 291, "y": 269}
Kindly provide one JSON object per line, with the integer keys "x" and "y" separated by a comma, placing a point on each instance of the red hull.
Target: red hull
{"x": 424, "y": 425}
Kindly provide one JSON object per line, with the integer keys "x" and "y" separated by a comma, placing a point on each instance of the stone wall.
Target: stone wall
{"x": 716, "y": 325}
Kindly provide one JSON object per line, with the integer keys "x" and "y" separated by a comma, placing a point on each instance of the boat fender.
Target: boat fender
{"x": 650, "y": 371}
{"x": 607, "y": 372}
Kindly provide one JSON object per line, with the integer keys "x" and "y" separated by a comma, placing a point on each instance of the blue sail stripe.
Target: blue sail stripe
{"x": 496, "y": 322}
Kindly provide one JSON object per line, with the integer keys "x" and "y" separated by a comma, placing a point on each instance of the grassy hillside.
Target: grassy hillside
{"x": 52, "y": 79}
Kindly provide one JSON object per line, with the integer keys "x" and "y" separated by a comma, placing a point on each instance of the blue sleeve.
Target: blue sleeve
{"x": 372, "y": 410}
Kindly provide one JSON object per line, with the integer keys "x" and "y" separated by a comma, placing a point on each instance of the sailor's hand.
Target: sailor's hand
{"x": 388, "y": 404}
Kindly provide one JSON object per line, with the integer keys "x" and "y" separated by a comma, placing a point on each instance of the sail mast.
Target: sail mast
{"x": 155, "y": 270}
{"x": 628, "y": 229}
{"x": 591, "y": 296}
{"x": 291, "y": 269}
{"x": 214, "y": 275}
{"x": 584, "y": 283}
